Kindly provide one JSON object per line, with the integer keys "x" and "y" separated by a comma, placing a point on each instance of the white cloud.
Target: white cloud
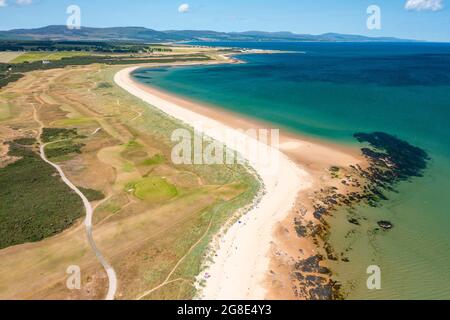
{"x": 2, "y": 3}
{"x": 183, "y": 8}
{"x": 419, "y": 5}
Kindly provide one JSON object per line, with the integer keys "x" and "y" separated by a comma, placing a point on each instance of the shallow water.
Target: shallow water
{"x": 331, "y": 91}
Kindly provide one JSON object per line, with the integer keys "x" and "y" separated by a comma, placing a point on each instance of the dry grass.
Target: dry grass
{"x": 8, "y": 56}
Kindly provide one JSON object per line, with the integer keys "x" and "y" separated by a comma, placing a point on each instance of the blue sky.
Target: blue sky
{"x": 425, "y": 19}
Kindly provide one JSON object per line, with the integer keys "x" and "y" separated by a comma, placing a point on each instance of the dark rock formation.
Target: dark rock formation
{"x": 386, "y": 225}
{"x": 312, "y": 280}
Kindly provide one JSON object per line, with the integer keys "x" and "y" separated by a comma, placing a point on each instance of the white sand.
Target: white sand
{"x": 242, "y": 259}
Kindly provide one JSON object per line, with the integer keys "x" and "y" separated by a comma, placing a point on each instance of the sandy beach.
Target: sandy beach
{"x": 247, "y": 263}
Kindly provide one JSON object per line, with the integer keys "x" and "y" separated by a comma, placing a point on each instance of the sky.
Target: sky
{"x": 412, "y": 19}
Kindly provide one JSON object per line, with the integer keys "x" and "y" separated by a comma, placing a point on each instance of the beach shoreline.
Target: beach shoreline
{"x": 250, "y": 258}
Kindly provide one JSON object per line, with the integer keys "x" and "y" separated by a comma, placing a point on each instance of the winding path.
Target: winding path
{"x": 112, "y": 278}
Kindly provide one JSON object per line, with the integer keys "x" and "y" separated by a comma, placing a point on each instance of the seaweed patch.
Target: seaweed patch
{"x": 390, "y": 160}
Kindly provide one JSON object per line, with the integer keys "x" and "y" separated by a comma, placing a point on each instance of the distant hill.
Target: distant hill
{"x": 62, "y": 33}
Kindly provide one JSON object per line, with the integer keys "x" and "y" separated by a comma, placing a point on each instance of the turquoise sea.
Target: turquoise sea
{"x": 331, "y": 91}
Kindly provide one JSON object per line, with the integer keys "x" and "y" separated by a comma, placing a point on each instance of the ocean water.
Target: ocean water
{"x": 331, "y": 91}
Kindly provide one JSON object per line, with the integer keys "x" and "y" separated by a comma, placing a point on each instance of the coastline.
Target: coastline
{"x": 255, "y": 257}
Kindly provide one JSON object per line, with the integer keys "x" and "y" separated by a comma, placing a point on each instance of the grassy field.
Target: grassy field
{"x": 49, "y": 56}
{"x": 5, "y": 111}
{"x": 152, "y": 189}
{"x": 152, "y": 218}
{"x": 8, "y": 56}
{"x": 10, "y": 73}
